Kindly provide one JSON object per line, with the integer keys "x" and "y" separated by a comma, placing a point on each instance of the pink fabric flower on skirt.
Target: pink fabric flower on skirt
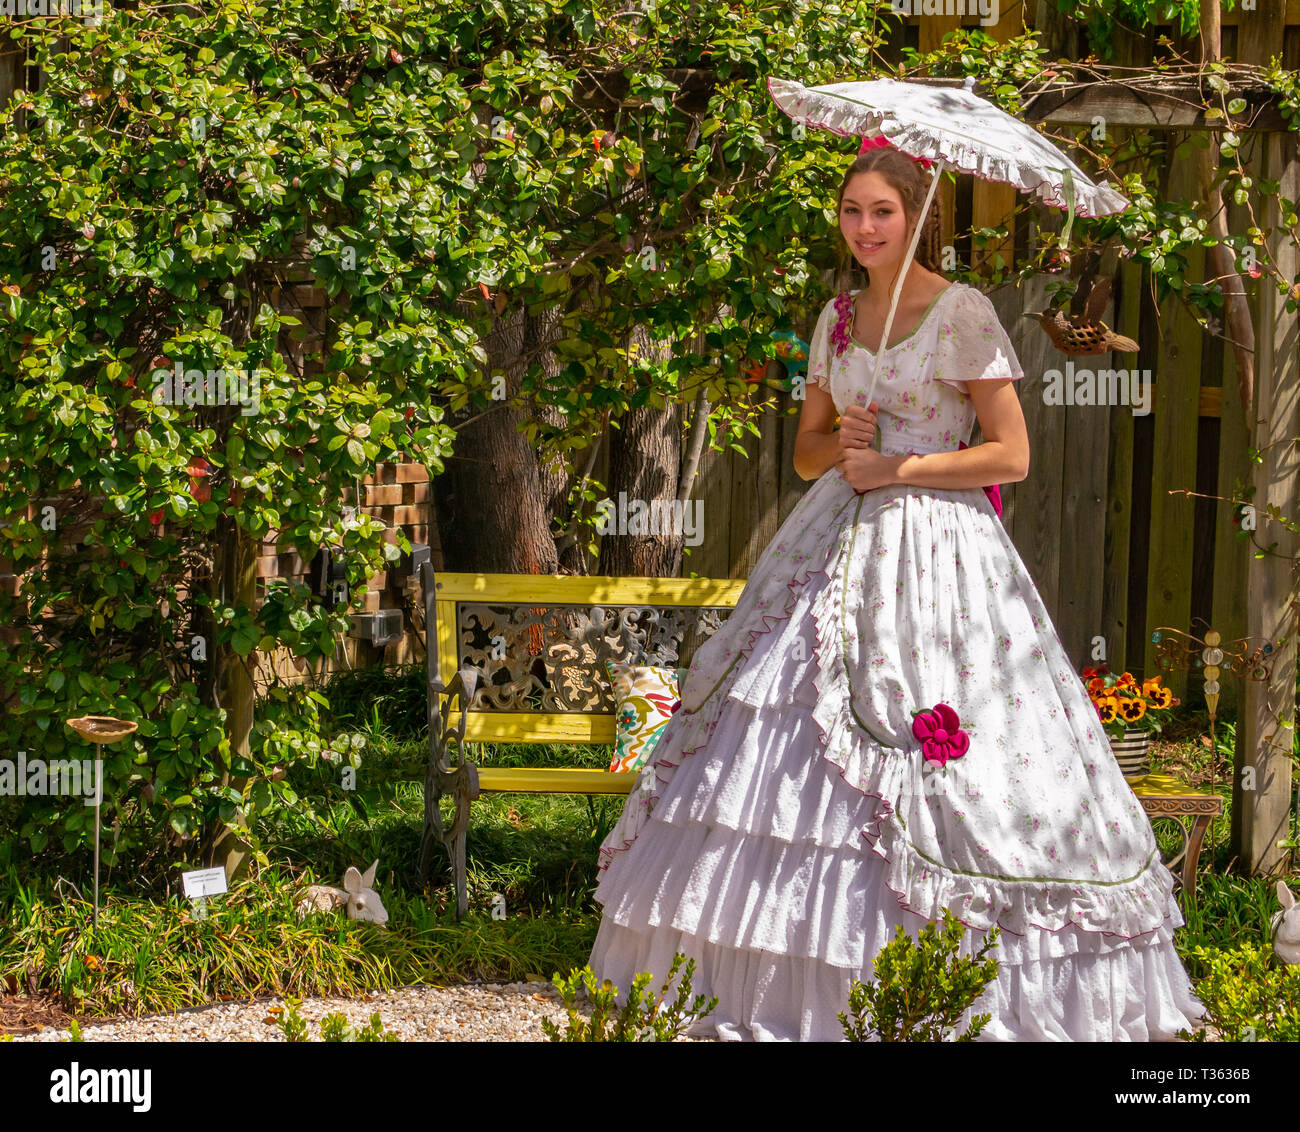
{"x": 940, "y": 733}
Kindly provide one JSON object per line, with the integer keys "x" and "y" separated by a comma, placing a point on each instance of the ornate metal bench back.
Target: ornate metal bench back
{"x": 549, "y": 656}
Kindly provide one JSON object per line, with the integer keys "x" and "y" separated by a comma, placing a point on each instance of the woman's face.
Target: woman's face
{"x": 873, "y": 222}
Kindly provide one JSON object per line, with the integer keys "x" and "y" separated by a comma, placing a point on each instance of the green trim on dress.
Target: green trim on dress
{"x": 853, "y": 318}
{"x": 844, "y": 637}
{"x": 899, "y": 817}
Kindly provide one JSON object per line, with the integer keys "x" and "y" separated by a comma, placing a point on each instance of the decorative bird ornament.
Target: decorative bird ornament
{"x": 1084, "y": 333}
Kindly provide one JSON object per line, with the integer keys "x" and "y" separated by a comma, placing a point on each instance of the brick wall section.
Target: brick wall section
{"x": 399, "y": 496}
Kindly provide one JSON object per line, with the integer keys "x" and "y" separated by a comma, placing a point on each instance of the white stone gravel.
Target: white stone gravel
{"x": 471, "y": 1012}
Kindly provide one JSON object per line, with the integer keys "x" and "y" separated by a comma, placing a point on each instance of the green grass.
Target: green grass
{"x": 393, "y": 694}
{"x": 148, "y": 956}
{"x": 1229, "y": 911}
{"x": 538, "y": 852}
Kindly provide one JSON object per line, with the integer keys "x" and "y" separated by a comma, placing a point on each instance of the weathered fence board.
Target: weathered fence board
{"x": 1117, "y": 552}
{"x": 1177, "y": 400}
{"x": 1035, "y": 515}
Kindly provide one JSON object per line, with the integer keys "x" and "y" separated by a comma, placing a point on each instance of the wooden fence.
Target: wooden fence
{"x": 1111, "y": 554}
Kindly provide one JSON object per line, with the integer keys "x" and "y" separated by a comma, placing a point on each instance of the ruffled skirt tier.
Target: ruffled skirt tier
{"x": 781, "y": 869}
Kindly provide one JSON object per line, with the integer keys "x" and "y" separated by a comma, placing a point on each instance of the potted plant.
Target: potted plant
{"x": 1132, "y": 711}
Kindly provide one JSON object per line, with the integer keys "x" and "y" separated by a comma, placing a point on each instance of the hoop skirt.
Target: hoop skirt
{"x": 788, "y": 821}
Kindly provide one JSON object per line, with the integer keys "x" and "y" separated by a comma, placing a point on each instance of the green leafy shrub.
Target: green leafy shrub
{"x": 641, "y": 1019}
{"x": 188, "y": 221}
{"x": 921, "y": 990}
{"x": 292, "y": 1024}
{"x": 334, "y": 1027}
{"x": 1249, "y": 995}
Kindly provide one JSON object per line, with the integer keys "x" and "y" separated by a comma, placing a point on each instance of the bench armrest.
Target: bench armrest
{"x": 445, "y": 702}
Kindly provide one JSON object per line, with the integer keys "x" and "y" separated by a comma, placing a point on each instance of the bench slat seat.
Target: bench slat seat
{"x": 533, "y": 727}
{"x": 555, "y": 780}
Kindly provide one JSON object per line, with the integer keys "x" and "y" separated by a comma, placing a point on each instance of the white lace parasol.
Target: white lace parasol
{"x": 953, "y": 125}
{"x": 950, "y": 126}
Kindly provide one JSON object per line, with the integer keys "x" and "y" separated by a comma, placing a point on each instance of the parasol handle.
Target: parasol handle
{"x": 902, "y": 275}
{"x": 1068, "y": 184}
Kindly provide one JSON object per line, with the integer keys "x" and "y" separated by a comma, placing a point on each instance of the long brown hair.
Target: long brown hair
{"x": 912, "y": 182}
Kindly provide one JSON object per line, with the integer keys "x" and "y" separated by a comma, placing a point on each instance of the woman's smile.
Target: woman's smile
{"x": 873, "y": 221}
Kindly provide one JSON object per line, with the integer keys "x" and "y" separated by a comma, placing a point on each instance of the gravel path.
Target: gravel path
{"x": 470, "y": 1012}
{"x": 485, "y": 1012}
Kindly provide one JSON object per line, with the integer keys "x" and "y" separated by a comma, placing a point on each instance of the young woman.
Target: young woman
{"x": 888, "y": 725}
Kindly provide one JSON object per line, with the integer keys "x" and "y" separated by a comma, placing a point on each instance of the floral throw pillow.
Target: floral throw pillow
{"x": 645, "y": 699}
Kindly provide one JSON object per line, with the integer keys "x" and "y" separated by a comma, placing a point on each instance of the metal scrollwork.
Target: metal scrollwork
{"x": 443, "y": 778}
{"x": 552, "y": 657}
{"x": 1176, "y": 650}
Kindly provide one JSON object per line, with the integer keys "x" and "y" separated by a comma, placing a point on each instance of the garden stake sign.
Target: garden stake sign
{"x": 100, "y": 729}
{"x": 1186, "y": 653}
{"x": 199, "y": 884}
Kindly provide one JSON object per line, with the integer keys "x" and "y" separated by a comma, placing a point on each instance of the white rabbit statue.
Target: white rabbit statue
{"x": 361, "y": 901}
{"x": 1286, "y": 926}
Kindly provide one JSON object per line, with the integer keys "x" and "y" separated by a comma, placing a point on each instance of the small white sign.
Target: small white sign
{"x": 204, "y": 882}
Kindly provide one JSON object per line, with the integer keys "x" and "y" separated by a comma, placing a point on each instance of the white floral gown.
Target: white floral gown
{"x": 789, "y": 820}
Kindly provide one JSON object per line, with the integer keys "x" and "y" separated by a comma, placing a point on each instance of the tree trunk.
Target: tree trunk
{"x": 236, "y": 582}
{"x": 644, "y": 461}
{"x": 555, "y": 477}
{"x": 493, "y": 506}
{"x": 694, "y": 454}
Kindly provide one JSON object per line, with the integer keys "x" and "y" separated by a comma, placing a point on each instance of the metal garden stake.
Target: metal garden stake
{"x": 100, "y": 729}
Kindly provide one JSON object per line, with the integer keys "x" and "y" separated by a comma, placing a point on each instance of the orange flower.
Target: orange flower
{"x": 1132, "y": 709}
{"x": 1126, "y": 681}
{"x": 1161, "y": 698}
{"x": 1106, "y": 708}
{"x": 1096, "y": 684}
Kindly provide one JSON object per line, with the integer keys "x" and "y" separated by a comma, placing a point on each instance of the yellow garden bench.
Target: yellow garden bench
{"x": 487, "y": 635}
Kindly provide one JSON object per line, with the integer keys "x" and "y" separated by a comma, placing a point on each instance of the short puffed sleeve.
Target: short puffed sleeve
{"x": 819, "y": 348}
{"x": 972, "y": 346}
